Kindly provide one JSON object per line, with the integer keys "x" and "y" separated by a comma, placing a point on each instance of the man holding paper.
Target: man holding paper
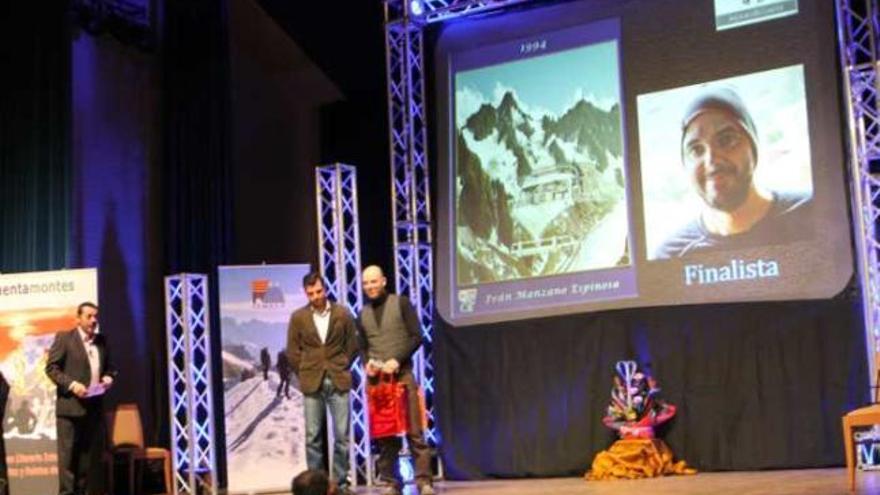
{"x": 80, "y": 366}
{"x": 4, "y": 395}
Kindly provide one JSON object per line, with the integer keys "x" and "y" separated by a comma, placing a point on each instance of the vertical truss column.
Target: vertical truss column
{"x": 340, "y": 258}
{"x": 338, "y": 233}
{"x": 410, "y": 183}
{"x": 189, "y": 384}
{"x": 858, "y": 30}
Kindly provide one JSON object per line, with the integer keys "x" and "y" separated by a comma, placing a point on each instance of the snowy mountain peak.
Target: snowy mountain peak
{"x": 482, "y": 122}
{"x": 509, "y": 103}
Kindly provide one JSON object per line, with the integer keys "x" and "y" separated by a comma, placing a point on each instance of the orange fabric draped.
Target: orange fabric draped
{"x": 636, "y": 458}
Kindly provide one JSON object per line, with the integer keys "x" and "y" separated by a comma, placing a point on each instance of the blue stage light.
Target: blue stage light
{"x": 407, "y": 471}
{"x": 416, "y": 8}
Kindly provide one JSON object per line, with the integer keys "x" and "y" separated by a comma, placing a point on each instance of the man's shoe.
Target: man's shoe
{"x": 426, "y": 489}
{"x": 392, "y": 490}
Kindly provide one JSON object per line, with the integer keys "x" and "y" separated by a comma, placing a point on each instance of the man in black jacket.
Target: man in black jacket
{"x": 4, "y": 395}
{"x": 80, "y": 367}
{"x": 391, "y": 334}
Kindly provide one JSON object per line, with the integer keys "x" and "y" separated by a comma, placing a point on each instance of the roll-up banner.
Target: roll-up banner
{"x": 263, "y": 417}
{"x": 33, "y": 307}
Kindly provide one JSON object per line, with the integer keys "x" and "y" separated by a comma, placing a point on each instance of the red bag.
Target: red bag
{"x": 387, "y": 407}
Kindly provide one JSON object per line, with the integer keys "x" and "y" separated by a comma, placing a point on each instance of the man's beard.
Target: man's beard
{"x": 734, "y": 190}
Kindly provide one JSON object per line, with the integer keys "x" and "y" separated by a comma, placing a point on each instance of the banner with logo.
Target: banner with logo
{"x": 737, "y": 13}
{"x": 33, "y": 307}
{"x": 263, "y": 417}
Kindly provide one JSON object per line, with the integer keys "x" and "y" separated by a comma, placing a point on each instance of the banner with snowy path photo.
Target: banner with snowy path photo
{"x": 263, "y": 417}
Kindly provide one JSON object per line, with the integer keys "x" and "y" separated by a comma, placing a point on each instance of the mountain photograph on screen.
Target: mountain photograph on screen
{"x": 539, "y": 178}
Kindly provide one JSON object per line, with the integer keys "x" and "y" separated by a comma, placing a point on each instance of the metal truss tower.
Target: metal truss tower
{"x": 338, "y": 233}
{"x": 189, "y": 384}
{"x": 410, "y": 184}
{"x": 858, "y": 29}
{"x": 340, "y": 258}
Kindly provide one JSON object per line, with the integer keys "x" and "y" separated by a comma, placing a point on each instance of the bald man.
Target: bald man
{"x": 391, "y": 333}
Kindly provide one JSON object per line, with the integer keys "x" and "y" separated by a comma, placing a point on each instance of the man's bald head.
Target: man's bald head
{"x": 373, "y": 270}
{"x": 373, "y": 281}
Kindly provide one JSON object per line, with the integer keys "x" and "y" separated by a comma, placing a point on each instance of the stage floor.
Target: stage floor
{"x": 794, "y": 482}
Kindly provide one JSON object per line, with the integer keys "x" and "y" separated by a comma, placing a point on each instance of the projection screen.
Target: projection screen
{"x": 591, "y": 157}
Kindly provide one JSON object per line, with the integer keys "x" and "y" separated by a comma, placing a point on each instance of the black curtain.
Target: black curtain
{"x": 35, "y": 175}
{"x": 758, "y": 386}
{"x": 355, "y": 131}
{"x": 196, "y": 170}
{"x": 196, "y": 132}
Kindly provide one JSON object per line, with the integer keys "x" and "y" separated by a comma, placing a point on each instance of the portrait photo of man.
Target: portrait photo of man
{"x": 723, "y": 201}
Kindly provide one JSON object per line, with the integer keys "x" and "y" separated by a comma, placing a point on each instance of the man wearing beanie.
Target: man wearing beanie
{"x": 720, "y": 152}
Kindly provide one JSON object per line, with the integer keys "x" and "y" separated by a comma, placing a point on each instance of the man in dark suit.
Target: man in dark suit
{"x": 391, "y": 334}
{"x": 4, "y": 395}
{"x": 80, "y": 366}
{"x": 321, "y": 345}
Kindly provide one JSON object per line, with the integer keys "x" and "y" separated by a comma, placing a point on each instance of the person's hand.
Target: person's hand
{"x": 78, "y": 389}
{"x": 107, "y": 381}
{"x": 391, "y": 366}
{"x": 372, "y": 369}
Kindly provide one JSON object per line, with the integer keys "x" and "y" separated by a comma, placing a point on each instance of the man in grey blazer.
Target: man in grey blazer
{"x": 321, "y": 345}
{"x": 79, "y": 365}
{"x": 391, "y": 334}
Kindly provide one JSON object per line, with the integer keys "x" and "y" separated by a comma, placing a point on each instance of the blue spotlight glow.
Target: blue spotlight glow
{"x": 407, "y": 472}
{"x": 416, "y": 8}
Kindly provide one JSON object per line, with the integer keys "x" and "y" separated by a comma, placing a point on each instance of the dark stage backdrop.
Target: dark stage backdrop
{"x": 115, "y": 224}
{"x": 35, "y": 169}
{"x": 276, "y": 93}
{"x": 196, "y": 133}
{"x": 758, "y": 386}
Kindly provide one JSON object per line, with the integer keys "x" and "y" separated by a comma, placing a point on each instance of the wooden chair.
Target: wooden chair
{"x": 127, "y": 437}
{"x": 864, "y": 416}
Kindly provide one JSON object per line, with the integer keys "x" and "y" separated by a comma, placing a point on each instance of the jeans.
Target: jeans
{"x": 316, "y": 405}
